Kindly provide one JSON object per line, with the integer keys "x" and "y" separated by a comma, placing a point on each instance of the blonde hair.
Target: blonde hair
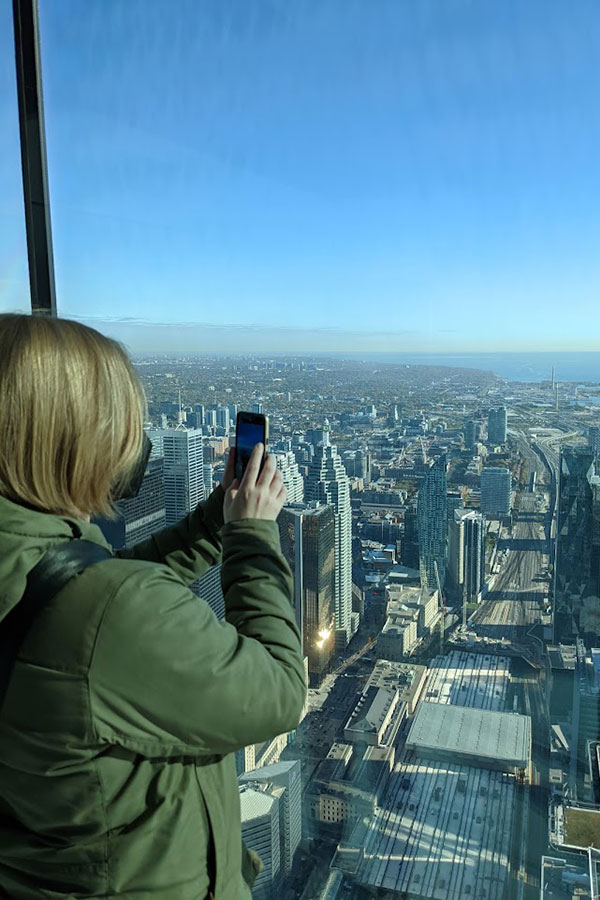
{"x": 72, "y": 409}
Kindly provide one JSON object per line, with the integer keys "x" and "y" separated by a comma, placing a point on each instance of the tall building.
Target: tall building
{"x": 316, "y": 436}
{"x": 472, "y": 432}
{"x": 327, "y": 482}
{"x": 594, "y": 440}
{"x": 432, "y": 524}
{"x": 410, "y": 539}
{"x": 474, "y": 555}
{"x": 257, "y": 408}
{"x": 182, "y": 449}
{"x": 285, "y": 775}
{"x": 292, "y": 479}
{"x": 223, "y": 418}
{"x": 577, "y": 563}
{"x": 140, "y": 516}
{"x": 260, "y": 811}
{"x": 466, "y": 547}
{"x": 308, "y": 535}
{"x": 495, "y": 491}
{"x": 357, "y": 463}
{"x": 497, "y": 425}
{"x": 454, "y": 501}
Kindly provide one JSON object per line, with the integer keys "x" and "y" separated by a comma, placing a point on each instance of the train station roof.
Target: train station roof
{"x": 500, "y": 740}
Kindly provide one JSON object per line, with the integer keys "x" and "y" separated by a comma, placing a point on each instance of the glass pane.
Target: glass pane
{"x": 378, "y": 224}
{"x": 14, "y": 274}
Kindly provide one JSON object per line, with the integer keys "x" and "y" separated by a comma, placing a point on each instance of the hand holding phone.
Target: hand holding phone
{"x": 260, "y": 494}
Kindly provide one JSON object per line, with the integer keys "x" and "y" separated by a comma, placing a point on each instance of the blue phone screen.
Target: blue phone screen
{"x": 248, "y": 434}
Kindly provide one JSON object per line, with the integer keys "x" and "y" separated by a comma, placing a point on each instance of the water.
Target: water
{"x": 577, "y": 367}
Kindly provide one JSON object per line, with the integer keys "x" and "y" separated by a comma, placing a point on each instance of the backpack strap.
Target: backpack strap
{"x": 56, "y": 567}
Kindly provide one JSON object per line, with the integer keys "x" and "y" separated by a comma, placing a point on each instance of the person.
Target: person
{"x": 128, "y": 697}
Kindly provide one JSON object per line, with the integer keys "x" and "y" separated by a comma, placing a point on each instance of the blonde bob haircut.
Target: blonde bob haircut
{"x": 72, "y": 409}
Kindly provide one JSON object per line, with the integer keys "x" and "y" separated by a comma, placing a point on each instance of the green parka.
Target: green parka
{"x": 126, "y": 702}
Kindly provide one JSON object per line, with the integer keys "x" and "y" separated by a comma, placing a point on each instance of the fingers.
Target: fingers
{"x": 276, "y": 481}
{"x": 253, "y": 467}
{"x": 268, "y": 471}
{"x": 230, "y": 464}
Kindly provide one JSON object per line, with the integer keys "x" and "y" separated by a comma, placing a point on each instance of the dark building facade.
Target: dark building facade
{"x": 433, "y": 524}
{"x": 497, "y": 425}
{"x": 307, "y": 534}
{"x": 140, "y": 516}
{"x": 577, "y": 566}
{"x": 410, "y": 540}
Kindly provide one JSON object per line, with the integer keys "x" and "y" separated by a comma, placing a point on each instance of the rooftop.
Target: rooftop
{"x": 480, "y": 733}
{"x": 372, "y": 707}
{"x": 470, "y": 851}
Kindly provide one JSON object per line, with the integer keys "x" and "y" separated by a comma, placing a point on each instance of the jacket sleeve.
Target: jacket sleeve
{"x": 168, "y": 678}
{"x": 190, "y": 547}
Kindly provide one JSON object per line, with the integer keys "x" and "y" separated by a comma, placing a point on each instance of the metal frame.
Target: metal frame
{"x": 33, "y": 157}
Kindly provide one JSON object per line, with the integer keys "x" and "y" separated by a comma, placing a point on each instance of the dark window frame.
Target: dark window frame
{"x": 34, "y": 163}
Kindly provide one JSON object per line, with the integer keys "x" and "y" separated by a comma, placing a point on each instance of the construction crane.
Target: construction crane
{"x": 443, "y": 607}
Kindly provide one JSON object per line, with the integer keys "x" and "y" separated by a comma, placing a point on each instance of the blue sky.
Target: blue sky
{"x": 305, "y": 174}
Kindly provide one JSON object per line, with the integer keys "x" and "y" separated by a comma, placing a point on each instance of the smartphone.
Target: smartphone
{"x": 250, "y": 429}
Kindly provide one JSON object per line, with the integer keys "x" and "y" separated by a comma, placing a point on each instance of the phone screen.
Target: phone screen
{"x": 248, "y": 434}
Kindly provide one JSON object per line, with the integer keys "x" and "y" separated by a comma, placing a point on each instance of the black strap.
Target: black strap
{"x": 58, "y": 566}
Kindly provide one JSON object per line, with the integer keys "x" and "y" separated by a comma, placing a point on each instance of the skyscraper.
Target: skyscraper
{"x": 183, "y": 469}
{"x": 308, "y": 534}
{"x": 410, "y": 539}
{"x": 577, "y": 563}
{"x": 292, "y": 479}
{"x": 139, "y": 516}
{"x": 594, "y": 439}
{"x": 497, "y": 425}
{"x": 472, "y": 432}
{"x": 223, "y": 418}
{"x": 327, "y": 482}
{"x": 260, "y": 810}
{"x": 432, "y": 524}
{"x": 466, "y": 543}
{"x": 495, "y": 491}
{"x": 286, "y": 774}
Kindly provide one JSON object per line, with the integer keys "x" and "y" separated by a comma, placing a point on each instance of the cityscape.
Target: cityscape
{"x": 377, "y": 225}
{"x": 443, "y": 529}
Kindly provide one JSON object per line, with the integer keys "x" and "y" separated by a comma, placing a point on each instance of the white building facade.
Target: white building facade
{"x": 327, "y": 482}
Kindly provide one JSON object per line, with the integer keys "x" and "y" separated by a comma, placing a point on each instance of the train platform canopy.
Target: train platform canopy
{"x": 476, "y": 737}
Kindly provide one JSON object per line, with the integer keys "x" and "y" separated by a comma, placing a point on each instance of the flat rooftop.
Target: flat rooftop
{"x": 496, "y": 737}
{"x": 469, "y": 679}
{"x": 429, "y": 841}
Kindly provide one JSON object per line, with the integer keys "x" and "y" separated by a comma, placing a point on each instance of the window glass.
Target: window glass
{"x": 14, "y": 275}
{"x": 378, "y": 224}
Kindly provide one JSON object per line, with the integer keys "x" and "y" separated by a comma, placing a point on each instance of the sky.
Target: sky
{"x": 394, "y": 175}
